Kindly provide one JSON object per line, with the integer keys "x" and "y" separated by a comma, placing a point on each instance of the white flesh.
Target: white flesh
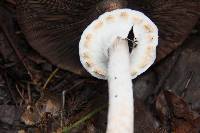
{"x": 100, "y": 34}
{"x": 120, "y": 112}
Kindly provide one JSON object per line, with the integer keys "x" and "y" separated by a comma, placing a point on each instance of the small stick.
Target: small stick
{"x": 190, "y": 78}
{"x": 63, "y": 99}
{"x": 21, "y": 95}
{"x": 88, "y": 116}
{"x": 187, "y": 84}
{"x": 49, "y": 78}
{"x": 63, "y": 107}
{"x": 75, "y": 85}
{"x": 29, "y": 93}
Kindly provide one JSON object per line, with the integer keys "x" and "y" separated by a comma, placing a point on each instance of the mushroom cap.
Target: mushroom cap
{"x": 101, "y": 33}
{"x": 53, "y": 27}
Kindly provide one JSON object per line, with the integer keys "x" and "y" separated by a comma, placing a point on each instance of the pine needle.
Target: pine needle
{"x": 88, "y": 116}
{"x": 49, "y": 78}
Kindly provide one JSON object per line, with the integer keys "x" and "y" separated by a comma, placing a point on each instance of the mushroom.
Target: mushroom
{"x": 53, "y": 27}
{"x": 104, "y": 53}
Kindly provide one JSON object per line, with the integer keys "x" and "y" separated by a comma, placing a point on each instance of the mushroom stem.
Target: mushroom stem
{"x": 121, "y": 110}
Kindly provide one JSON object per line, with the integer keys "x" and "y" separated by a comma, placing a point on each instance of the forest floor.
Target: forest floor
{"x": 36, "y": 96}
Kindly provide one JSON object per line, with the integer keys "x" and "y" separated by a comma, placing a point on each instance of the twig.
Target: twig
{"x": 29, "y": 93}
{"x": 88, "y": 116}
{"x": 50, "y": 77}
{"x": 63, "y": 99}
{"x": 20, "y": 93}
{"x": 63, "y": 107}
{"x": 75, "y": 85}
{"x": 187, "y": 84}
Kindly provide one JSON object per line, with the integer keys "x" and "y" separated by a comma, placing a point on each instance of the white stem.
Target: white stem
{"x": 121, "y": 110}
